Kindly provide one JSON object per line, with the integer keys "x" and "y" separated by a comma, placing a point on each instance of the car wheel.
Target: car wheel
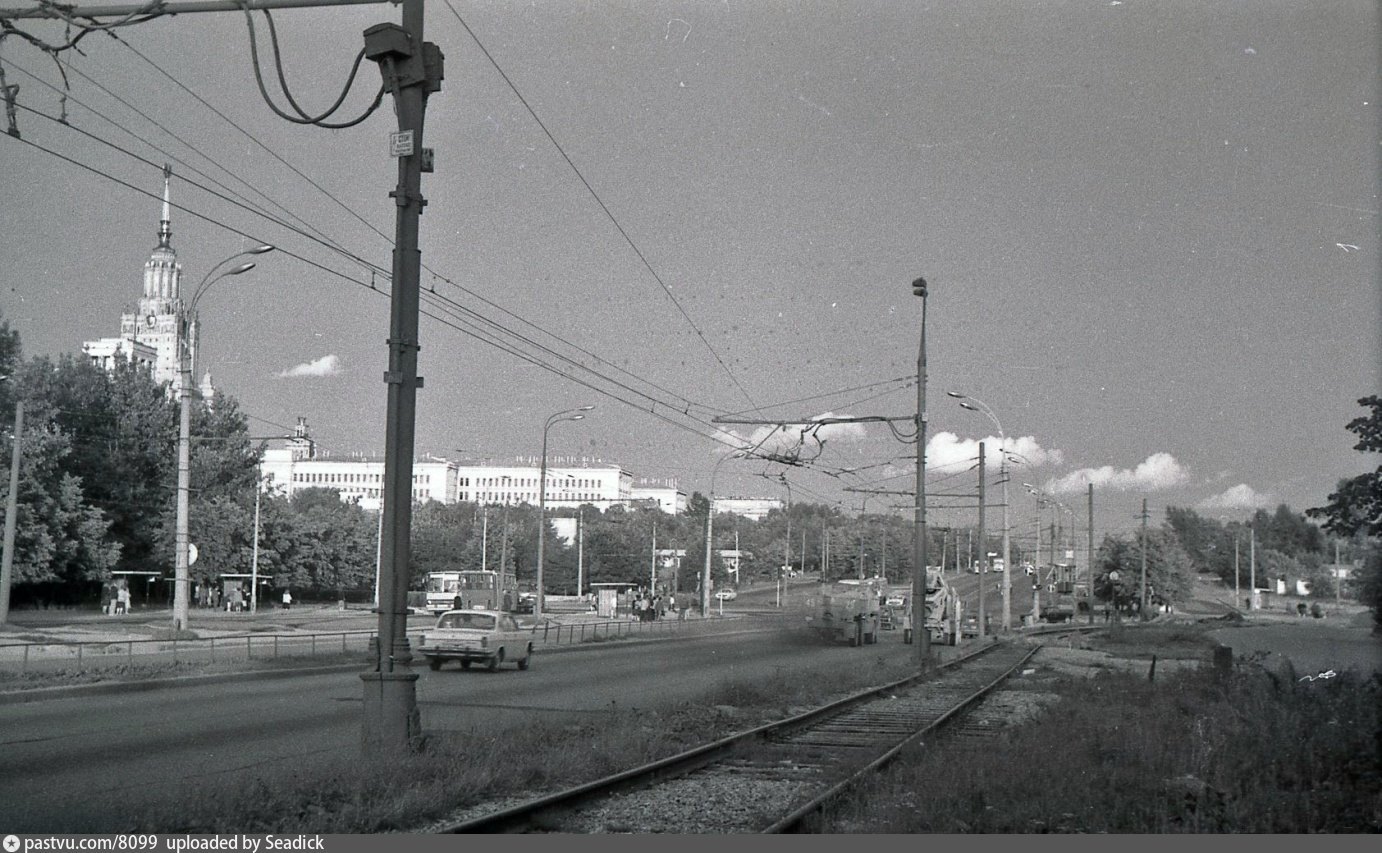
{"x": 434, "y": 663}
{"x": 465, "y": 664}
{"x": 524, "y": 662}
{"x": 496, "y": 660}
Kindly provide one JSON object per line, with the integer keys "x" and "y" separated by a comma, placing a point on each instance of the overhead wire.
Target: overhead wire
{"x": 603, "y": 207}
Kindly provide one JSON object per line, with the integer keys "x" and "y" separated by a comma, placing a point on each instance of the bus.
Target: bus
{"x": 481, "y": 590}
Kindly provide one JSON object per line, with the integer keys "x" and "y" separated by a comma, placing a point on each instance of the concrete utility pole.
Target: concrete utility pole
{"x": 983, "y": 545}
{"x": 1089, "y": 571}
{"x": 1142, "y": 604}
{"x": 921, "y": 635}
{"x": 12, "y": 512}
{"x": 1252, "y": 568}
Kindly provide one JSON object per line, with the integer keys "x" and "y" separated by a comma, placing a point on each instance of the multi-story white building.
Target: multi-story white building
{"x": 298, "y": 466}
{"x": 754, "y": 508}
{"x": 667, "y": 498}
{"x": 603, "y": 486}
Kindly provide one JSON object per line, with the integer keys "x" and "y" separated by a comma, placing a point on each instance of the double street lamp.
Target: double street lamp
{"x": 568, "y": 415}
{"x": 181, "y": 591}
{"x": 974, "y": 404}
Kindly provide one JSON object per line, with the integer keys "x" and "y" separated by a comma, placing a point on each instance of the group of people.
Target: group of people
{"x": 647, "y": 606}
{"x": 116, "y": 597}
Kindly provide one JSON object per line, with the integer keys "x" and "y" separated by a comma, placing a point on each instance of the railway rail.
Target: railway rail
{"x": 772, "y": 778}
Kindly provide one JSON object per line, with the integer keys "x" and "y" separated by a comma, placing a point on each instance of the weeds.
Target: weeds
{"x": 1118, "y": 754}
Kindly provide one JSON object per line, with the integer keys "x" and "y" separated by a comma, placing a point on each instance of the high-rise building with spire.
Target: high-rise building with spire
{"x": 150, "y": 334}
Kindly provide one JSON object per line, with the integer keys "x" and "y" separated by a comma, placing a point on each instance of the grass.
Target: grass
{"x": 480, "y": 766}
{"x": 104, "y": 671}
{"x": 1119, "y": 754}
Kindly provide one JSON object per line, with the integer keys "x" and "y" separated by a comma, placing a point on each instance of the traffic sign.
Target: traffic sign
{"x": 401, "y": 143}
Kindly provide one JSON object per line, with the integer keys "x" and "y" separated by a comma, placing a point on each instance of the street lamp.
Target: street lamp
{"x": 181, "y": 593}
{"x": 976, "y": 405}
{"x": 568, "y": 415}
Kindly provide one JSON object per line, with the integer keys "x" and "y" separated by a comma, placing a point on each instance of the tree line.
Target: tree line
{"x": 98, "y": 490}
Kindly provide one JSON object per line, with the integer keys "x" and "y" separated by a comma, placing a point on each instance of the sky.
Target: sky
{"x": 1150, "y": 233}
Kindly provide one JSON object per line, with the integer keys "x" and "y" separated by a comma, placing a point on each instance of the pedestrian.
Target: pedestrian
{"x": 122, "y": 600}
{"x": 287, "y": 599}
{"x": 456, "y": 603}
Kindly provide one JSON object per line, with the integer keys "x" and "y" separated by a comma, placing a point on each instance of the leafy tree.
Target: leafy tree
{"x": 1356, "y": 504}
{"x": 1169, "y": 570}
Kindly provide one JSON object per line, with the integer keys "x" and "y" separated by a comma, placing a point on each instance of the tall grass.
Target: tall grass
{"x": 1120, "y": 754}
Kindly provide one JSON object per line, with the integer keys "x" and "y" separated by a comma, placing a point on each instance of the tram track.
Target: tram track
{"x": 774, "y": 777}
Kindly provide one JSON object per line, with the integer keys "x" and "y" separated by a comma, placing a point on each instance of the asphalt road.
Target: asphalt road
{"x": 78, "y": 764}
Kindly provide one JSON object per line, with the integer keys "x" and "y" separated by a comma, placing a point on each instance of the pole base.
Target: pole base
{"x": 391, "y": 722}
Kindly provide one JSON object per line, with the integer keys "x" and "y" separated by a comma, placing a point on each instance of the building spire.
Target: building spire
{"x": 165, "y": 225}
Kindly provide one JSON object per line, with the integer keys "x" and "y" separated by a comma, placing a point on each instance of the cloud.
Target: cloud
{"x": 1241, "y": 496}
{"x": 948, "y": 449}
{"x": 1159, "y": 471}
{"x": 327, "y": 365}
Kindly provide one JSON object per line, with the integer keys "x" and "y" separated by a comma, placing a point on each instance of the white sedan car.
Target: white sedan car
{"x": 468, "y": 636}
{"x": 726, "y": 595}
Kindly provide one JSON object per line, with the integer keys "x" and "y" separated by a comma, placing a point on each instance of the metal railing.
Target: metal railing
{"x": 95, "y": 654}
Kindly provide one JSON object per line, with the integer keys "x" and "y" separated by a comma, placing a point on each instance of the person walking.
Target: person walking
{"x": 287, "y": 599}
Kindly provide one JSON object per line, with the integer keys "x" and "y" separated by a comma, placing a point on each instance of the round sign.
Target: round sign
{"x": 1113, "y": 576}
{"x": 191, "y": 553}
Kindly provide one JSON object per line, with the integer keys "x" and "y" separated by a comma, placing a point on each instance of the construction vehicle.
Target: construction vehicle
{"x": 848, "y": 610}
{"x": 942, "y": 610}
{"x": 1064, "y": 599}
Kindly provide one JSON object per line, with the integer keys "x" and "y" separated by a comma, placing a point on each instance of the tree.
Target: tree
{"x": 1169, "y": 570}
{"x": 1356, "y": 504}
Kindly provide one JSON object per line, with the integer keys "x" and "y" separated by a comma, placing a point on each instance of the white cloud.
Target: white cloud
{"x": 948, "y": 449}
{"x": 327, "y": 365}
{"x": 1241, "y": 496}
{"x": 1159, "y": 471}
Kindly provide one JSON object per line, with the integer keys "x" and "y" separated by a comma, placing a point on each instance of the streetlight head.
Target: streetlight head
{"x": 956, "y": 394}
{"x": 243, "y": 268}
{"x": 578, "y": 417}
{"x": 260, "y": 250}
{"x": 585, "y": 408}
{"x": 919, "y": 288}
{"x": 968, "y": 406}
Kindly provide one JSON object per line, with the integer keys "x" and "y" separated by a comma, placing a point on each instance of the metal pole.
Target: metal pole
{"x": 1007, "y": 556}
{"x": 1237, "y": 594}
{"x": 580, "y": 551}
{"x": 12, "y": 514}
{"x": 412, "y": 69}
{"x": 1252, "y": 567}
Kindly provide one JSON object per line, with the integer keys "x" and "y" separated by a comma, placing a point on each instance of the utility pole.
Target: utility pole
{"x": 1089, "y": 571}
{"x": 580, "y": 551}
{"x": 412, "y": 69}
{"x": 1237, "y": 594}
{"x": 1036, "y": 568}
{"x": 484, "y": 540}
{"x": 1338, "y": 578}
{"x": 11, "y": 512}
{"x": 652, "y": 576}
{"x": 1252, "y": 568}
{"x": 983, "y": 546}
{"x": 921, "y": 635}
{"x": 1142, "y": 604}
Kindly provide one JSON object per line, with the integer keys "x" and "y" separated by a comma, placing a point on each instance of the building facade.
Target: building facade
{"x": 155, "y": 324}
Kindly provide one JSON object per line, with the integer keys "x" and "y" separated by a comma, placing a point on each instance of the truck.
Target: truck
{"x": 942, "y": 610}
{"x": 848, "y": 610}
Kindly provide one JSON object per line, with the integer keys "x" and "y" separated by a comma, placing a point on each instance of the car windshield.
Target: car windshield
{"x": 477, "y": 621}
